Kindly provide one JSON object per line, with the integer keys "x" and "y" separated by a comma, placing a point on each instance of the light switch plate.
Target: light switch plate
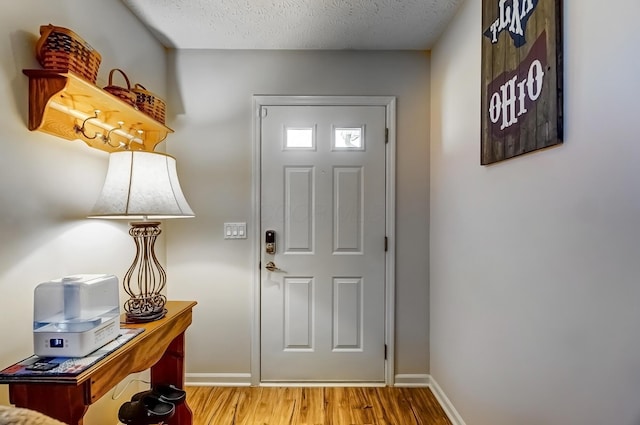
{"x": 235, "y": 230}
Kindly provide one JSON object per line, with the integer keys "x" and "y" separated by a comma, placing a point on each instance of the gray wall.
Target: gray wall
{"x": 213, "y": 143}
{"x": 535, "y": 271}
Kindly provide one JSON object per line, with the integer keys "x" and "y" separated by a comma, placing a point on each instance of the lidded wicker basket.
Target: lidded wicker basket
{"x": 123, "y": 93}
{"x": 61, "y": 49}
{"x": 149, "y": 103}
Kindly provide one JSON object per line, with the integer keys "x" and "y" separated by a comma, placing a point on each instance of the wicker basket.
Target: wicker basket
{"x": 122, "y": 93}
{"x": 63, "y": 50}
{"x": 149, "y": 103}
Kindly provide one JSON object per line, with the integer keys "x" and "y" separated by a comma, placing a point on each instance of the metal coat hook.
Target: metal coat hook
{"x": 138, "y": 138}
{"x": 82, "y": 129}
{"x": 107, "y": 138}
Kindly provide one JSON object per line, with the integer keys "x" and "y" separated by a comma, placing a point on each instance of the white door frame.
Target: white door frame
{"x": 389, "y": 102}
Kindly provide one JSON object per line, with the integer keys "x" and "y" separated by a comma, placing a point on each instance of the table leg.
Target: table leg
{"x": 170, "y": 370}
{"x": 65, "y": 403}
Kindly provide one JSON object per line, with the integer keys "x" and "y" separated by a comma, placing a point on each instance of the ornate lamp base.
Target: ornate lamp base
{"x": 142, "y": 318}
{"x": 146, "y": 302}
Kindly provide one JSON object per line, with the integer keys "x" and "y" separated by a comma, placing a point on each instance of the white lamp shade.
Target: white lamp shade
{"x": 141, "y": 185}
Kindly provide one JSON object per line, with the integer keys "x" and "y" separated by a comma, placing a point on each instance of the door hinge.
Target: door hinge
{"x": 385, "y": 351}
{"x": 386, "y": 244}
{"x": 386, "y": 136}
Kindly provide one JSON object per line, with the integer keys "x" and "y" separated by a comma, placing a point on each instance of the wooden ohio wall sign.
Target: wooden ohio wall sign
{"x": 521, "y": 77}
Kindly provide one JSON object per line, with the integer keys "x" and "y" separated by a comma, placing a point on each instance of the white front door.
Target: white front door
{"x": 323, "y": 198}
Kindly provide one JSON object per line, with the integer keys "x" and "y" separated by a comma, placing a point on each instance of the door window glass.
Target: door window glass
{"x": 299, "y": 138}
{"x": 348, "y": 138}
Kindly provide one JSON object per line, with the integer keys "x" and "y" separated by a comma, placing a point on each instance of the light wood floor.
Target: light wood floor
{"x": 314, "y": 406}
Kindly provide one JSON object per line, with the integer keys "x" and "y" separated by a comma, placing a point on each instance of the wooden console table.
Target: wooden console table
{"x": 160, "y": 347}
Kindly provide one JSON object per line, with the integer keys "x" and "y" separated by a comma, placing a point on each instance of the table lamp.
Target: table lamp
{"x": 142, "y": 187}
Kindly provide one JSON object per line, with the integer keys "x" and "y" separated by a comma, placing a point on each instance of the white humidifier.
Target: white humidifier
{"x": 75, "y": 315}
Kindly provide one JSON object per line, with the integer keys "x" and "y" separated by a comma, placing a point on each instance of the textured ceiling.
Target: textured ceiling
{"x": 296, "y": 24}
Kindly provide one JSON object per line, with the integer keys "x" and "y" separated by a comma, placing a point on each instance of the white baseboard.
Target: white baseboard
{"x": 412, "y": 380}
{"x": 425, "y": 380}
{"x": 218, "y": 379}
{"x": 446, "y": 404}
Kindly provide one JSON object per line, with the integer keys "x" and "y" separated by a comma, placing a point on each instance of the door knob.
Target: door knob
{"x": 271, "y": 267}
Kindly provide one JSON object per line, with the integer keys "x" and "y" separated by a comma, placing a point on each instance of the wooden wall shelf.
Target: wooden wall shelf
{"x": 60, "y": 101}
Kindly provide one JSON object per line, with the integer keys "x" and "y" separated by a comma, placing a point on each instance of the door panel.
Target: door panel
{"x": 298, "y": 202}
{"x": 323, "y": 192}
{"x": 298, "y": 316}
{"x": 347, "y": 308}
{"x": 347, "y": 210}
